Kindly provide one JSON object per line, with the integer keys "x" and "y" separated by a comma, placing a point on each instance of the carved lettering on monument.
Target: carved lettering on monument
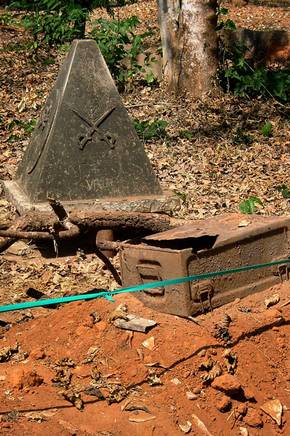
{"x": 43, "y": 129}
{"x": 93, "y": 129}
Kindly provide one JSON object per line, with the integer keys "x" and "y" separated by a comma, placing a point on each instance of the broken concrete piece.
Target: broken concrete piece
{"x": 135, "y": 323}
{"x": 274, "y": 409}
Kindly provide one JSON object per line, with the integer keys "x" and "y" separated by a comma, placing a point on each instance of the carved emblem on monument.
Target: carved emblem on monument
{"x": 85, "y": 146}
{"x": 93, "y": 129}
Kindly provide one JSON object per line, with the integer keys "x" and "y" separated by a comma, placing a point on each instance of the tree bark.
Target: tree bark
{"x": 189, "y": 45}
{"x": 43, "y": 223}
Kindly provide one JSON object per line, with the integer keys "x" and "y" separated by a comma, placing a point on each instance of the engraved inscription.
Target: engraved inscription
{"x": 93, "y": 129}
{"x": 43, "y": 130}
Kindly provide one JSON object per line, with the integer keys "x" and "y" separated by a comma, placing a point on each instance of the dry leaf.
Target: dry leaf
{"x": 149, "y": 343}
{"x": 175, "y": 381}
{"x": 141, "y": 418}
{"x": 271, "y": 301}
{"x": 244, "y": 223}
{"x": 274, "y": 409}
{"x": 200, "y": 425}
{"x": 185, "y": 427}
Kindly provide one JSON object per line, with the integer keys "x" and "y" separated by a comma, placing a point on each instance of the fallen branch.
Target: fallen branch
{"x": 97, "y": 220}
{"x": 72, "y": 232}
{"x": 45, "y": 226}
{"x": 120, "y": 220}
{"x": 5, "y": 241}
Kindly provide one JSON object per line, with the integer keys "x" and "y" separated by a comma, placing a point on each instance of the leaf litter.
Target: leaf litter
{"x": 204, "y": 158}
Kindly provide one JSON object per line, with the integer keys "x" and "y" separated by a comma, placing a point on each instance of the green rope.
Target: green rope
{"x": 109, "y": 294}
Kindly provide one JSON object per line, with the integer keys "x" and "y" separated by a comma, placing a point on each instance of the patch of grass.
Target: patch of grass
{"x": 7, "y": 19}
{"x": 267, "y": 129}
{"x": 187, "y": 134}
{"x": 148, "y": 130}
{"x": 284, "y": 190}
{"x": 27, "y": 126}
{"x": 17, "y": 47}
{"x": 249, "y": 206}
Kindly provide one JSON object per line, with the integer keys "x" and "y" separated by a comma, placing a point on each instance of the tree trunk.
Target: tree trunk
{"x": 189, "y": 44}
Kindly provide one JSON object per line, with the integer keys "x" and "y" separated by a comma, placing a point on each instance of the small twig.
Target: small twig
{"x": 58, "y": 209}
{"x": 191, "y": 318}
{"x": 285, "y": 304}
{"x": 19, "y": 234}
{"x": 231, "y": 414}
{"x": 109, "y": 265}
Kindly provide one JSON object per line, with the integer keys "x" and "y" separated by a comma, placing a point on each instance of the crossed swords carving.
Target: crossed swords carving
{"x": 108, "y": 137}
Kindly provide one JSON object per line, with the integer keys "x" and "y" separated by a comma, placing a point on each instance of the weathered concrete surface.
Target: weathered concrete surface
{"x": 167, "y": 202}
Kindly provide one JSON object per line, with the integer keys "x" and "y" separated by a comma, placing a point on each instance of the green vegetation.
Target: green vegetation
{"x": 267, "y": 129}
{"x": 7, "y": 19}
{"x": 148, "y": 130}
{"x": 120, "y": 46}
{"x": 58, "y": 21}
{"x": 187, "y": 134}
{"x": 249, "y": 206}
{"x": 239, "y": 76}
{"x": 284, "y": 190}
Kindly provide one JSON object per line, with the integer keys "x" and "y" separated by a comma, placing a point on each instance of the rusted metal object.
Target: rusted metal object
{"x": 106, "y": 235}
{"x": 204, "y": 246}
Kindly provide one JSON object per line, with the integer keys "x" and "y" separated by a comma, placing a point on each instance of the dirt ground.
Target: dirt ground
{"x": 67, "y": 374}
{"x": 69, "y": 370}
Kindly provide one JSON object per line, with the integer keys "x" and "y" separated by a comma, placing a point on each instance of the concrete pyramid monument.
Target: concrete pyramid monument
{"x": 84, "y": 148}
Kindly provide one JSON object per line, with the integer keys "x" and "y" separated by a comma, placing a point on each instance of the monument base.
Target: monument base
{"x": 165, "y": 203}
